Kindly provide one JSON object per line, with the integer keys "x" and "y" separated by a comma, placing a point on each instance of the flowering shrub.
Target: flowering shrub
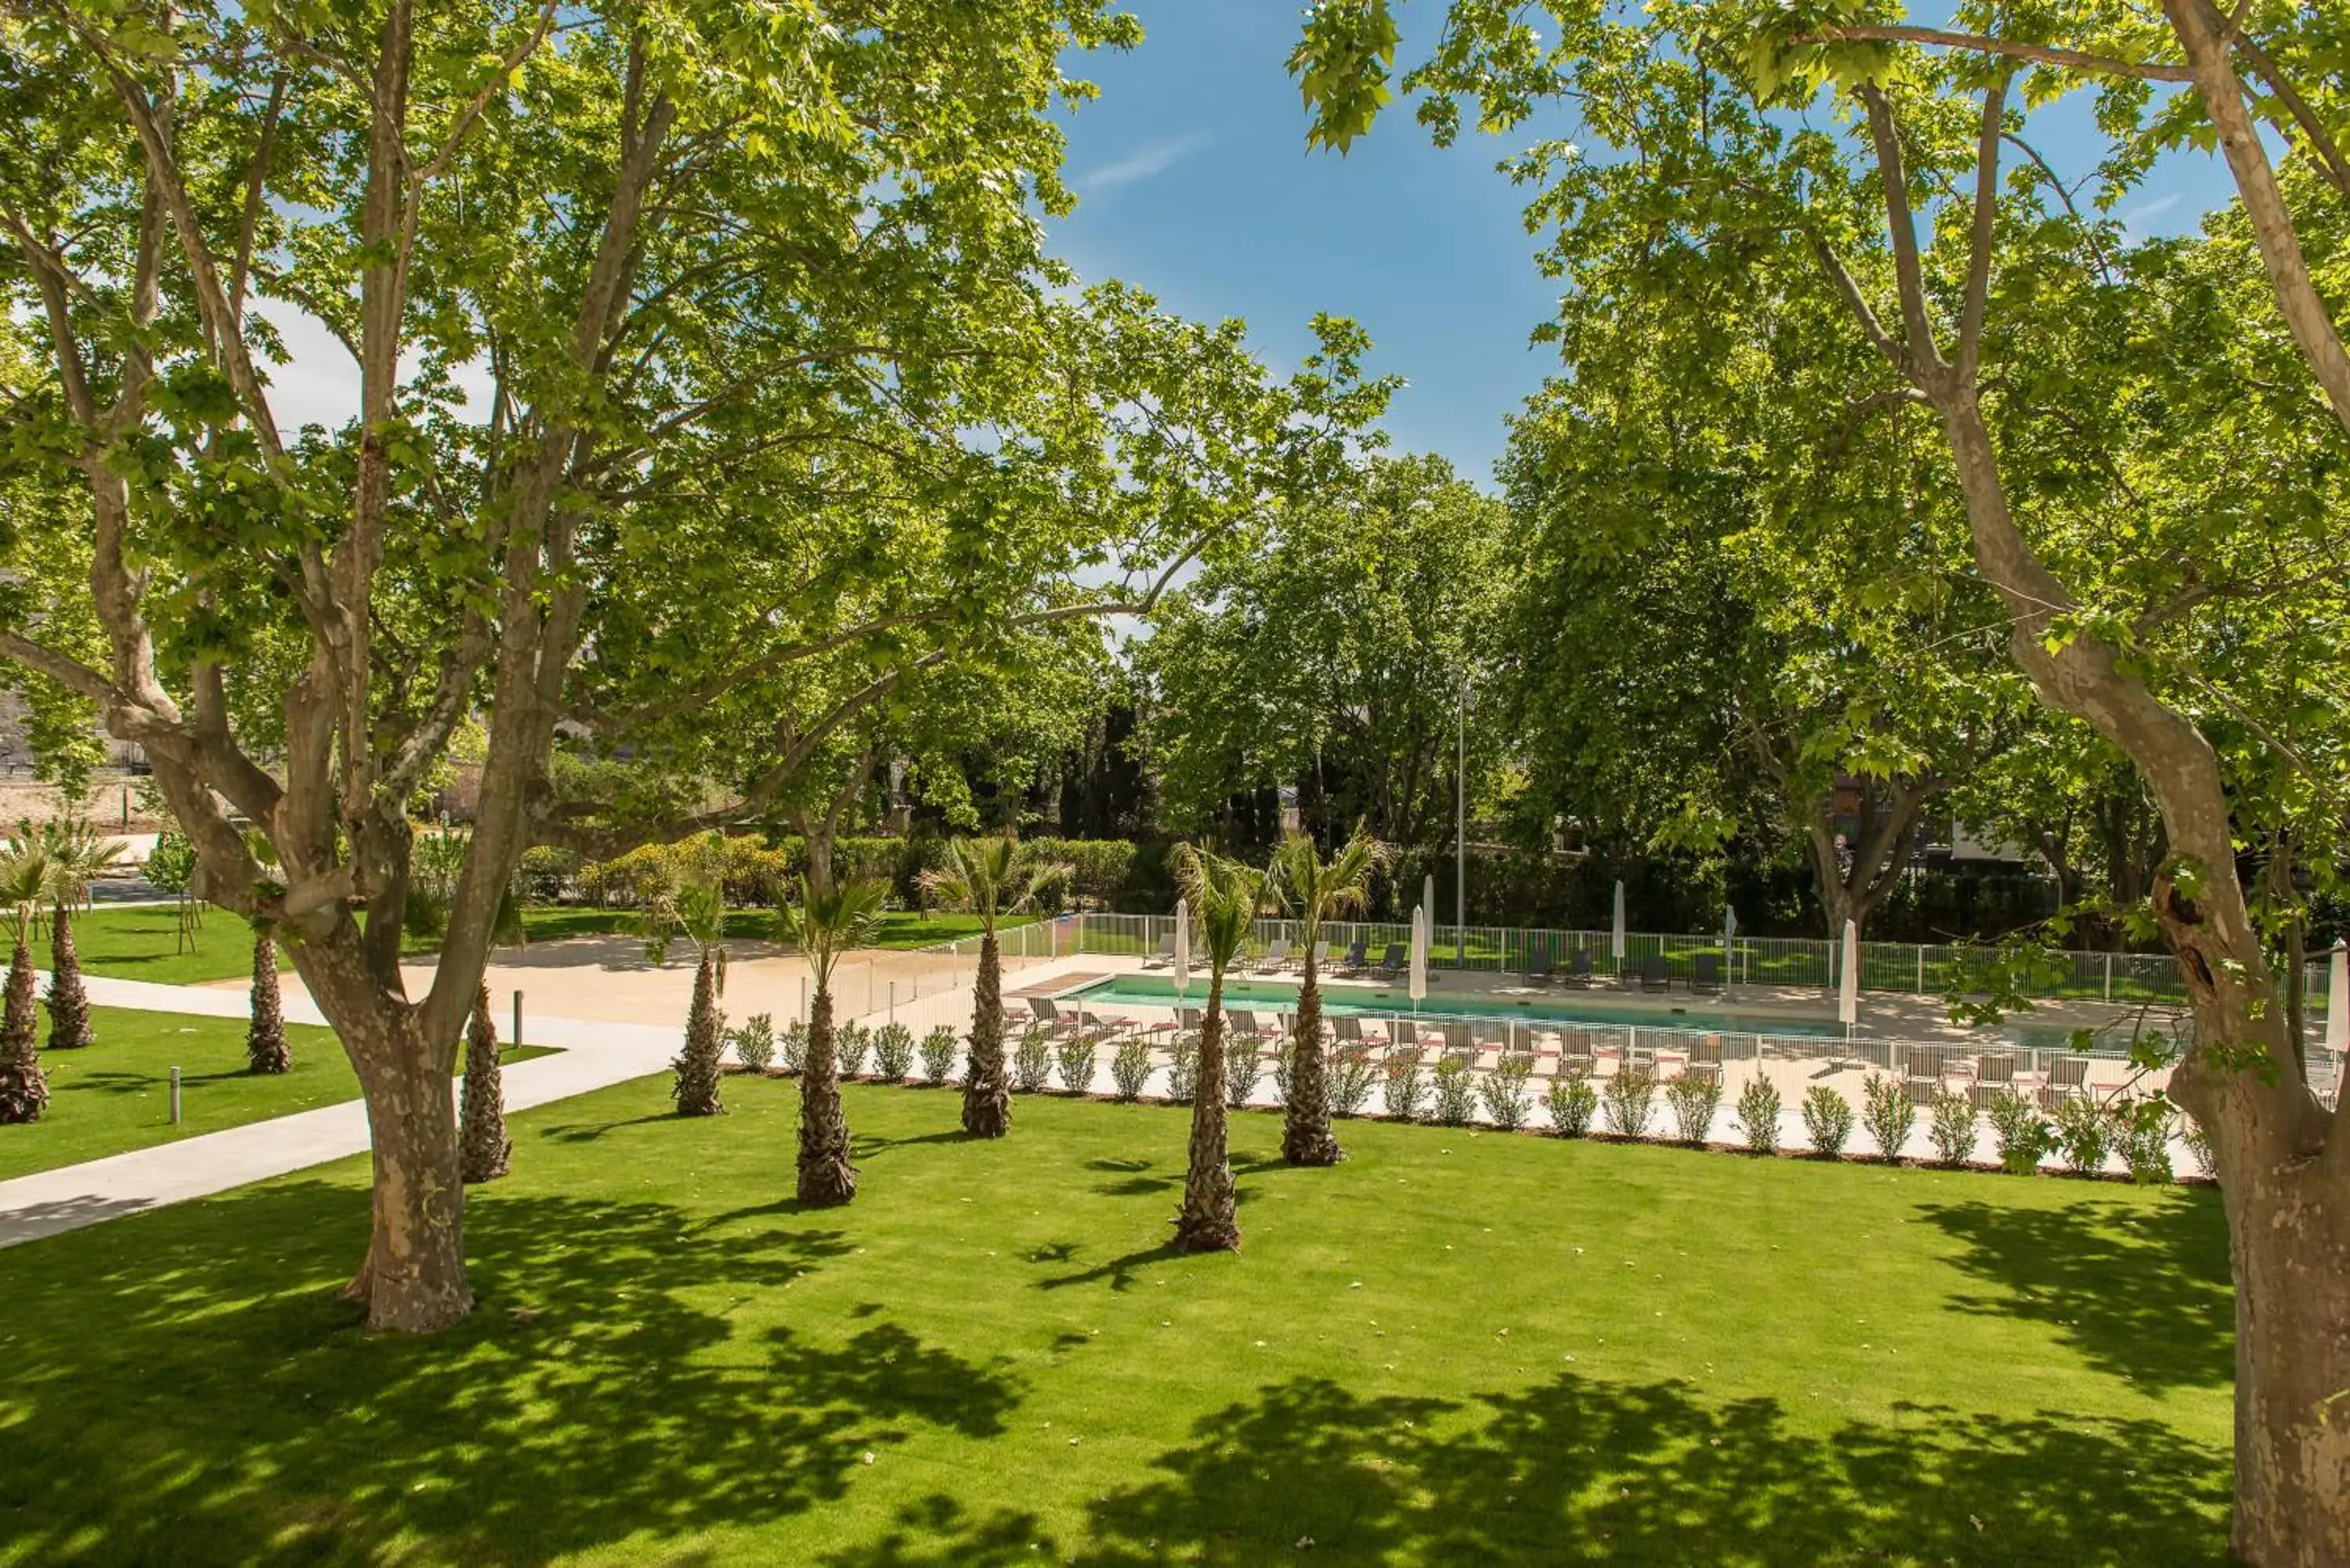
{"x": 754, "y": 1042}
{"x": 2198, "y": 1147}
{"x": 1571, "y": 1102}
{"x": 1758, "y": 1114}
{"x": 2020, "y": 1134}
{"x": 791, "y": 1045}
{"x": 1827, "y": 1120}
{"x": 1455, "y": 1094}
{"x": 2084, "y": 1135}
{"x": 1129, "y": 1068}
{"x": 2142, "y": 1138}
{"x": 1889, "y": 1113}
{"x": 1243, "y": 1069}
{"x": 939, "y": 1053}
{"x": 1693, "y": 1102}
{"x": 1032, "y": 1061}
{"x": 1075, "y": 1056}
{"x": 1353, "y": 1075}
{"x": 1954, "y": 1129}
{"x": 893, "y": 1053}
{"x": 851, "y": 1042}
{"x": 1183, "y": 1068}
{"x": 1631, "y": 1099}
{"x": 1406, "y": 1086}
{"x": 1508, "y": 1092}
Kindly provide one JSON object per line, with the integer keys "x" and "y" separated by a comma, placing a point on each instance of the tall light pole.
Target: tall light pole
{"x": 1461, "y": 836}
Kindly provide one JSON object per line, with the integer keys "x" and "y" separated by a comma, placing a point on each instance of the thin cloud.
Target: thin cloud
{"x": 2134, "y": 221}
{"x": 1152, "y": 160}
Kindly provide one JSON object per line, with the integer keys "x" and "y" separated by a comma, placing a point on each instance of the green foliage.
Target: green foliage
{"x": 1129, "y": 1068}
{"x": 754, "y": 1042}
{"x": 1453, "y": 1092}
{"x": 1571, "y": 1102}
{"x": 1075, "y": 1058}
{"x": 1887, "y": 1113}
{"x": 1758, "y": 1114}
{"x": 1955, "y": 1128}
{"x": 826, "y": 923}
{"x": 2142, "y": 1138}
{"x": 2020, "y": 1135}
{"x": 990, "y": 878}
{"x": 1403, "y": 1084}
{"x": 852, "y": 1042}
{"x": 893, "y": 1053}
{"x": 1353, "y": 1073}
{"x": 172, "y": 864}
{"x": 1507, "y": 1093}
{"x": 2084, "y": 1133}
{"x": 1827, "y": 1120}
{"x": 938, "y": 1051}
{"x": 1630, "y": 1097}
{"x": 1183, "y": 1068}
{"x": 1032, "y": 1061}
{"x": 1693, "y": 1101}
{"x": 1243, "y": 1070}
{"x": 792, "y": 1045}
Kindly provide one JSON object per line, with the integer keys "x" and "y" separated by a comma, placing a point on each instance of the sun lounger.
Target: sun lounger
{"x": 1165, "y": 957}
{"x": 1353, "y": 963}
{"x": 1655, "y": 974}
{"x": 1541, "y": 969}
{"x": 1578, "y": 971}
{"x": 1397, "y": 961}
{"x": 1276, "y": 956}
{"x": 1705, "y": 975}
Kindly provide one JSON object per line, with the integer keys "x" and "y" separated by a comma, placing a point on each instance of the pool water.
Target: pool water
{"x": 1386, "y": 1002}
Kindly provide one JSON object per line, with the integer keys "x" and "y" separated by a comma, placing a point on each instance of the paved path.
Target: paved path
{"x": 593, "y": 1055}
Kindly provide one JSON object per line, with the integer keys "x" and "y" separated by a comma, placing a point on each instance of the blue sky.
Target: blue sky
{"x": 1194, "y": 183}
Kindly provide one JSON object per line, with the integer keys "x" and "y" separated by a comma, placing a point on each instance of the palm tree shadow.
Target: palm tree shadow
{"x": 1120, "y": 1271}
{"x": 589, "y": 1132}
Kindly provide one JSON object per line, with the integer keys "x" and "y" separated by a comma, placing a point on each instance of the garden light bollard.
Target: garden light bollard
{"x": 893, "y": 1001}
{"x": 516, "y": 1041}
{"x": 175, "y": 1096}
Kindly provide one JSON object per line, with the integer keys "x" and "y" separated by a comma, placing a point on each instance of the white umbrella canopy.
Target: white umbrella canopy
{"x": 2337, "y": 999}
{"x": 1418, "y": 956}
{"x": 1848, "y": 977}
{"x": 1618, "y": 949}
{"x": 1182, "y": 956}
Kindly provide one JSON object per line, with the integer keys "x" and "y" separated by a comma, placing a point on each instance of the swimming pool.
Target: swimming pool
{"x": 1386, "y": 1002}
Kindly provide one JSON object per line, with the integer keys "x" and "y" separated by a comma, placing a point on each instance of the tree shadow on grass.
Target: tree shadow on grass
{"x": 2140, "y": 1290}
{"x": 1577, "y": 1470}
{"x": 192, "y": 1391}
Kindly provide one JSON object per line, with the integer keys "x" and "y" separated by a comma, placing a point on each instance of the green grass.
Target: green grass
{"x": 899, "y": 928}
{"x": 143, "y": 943}
{"x": 1454, "y": 1348}
{"x": 115, "y": 1095}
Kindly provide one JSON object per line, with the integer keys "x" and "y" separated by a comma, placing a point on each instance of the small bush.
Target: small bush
{"x": 2142, "y": 1138}
{"x": 1953, "y": 1129}
{"x": 2020, "y": 1134}
{"x": 851, "y": 1042}
{"x": 1183, "y": 1068}
{"x": 791, "y": 1045}
{"x": 893, "y": 1053}
{"x": 1281, "y": 1063}
{"x": 2084, "y": 1133}
{"x": 1353, "y": 1075}
{"x": 1758, "y": 1114}
{"x": 2198, "y": 1148}
{"x": 1571, "y": 1102}
{"x": 1455, "y": 1094}
{"x": 1827, "y": 1120}
{"x": 1693, "y": 1102}
{"x": 1032, "y": 1061}
{"x": 1889, "y": 1113}
{"x": 1631, "y": 1100}
{"x": 1075, "y": 1058}
{"x": 755, "y": 1043}
{"x": 1243, "y": 1069}
{"x": 1508, "y": 1092}
{"x": 1129, "y": 1068}
{"x": 939, "y": 1053}
{"x": 1406, "y": 1089}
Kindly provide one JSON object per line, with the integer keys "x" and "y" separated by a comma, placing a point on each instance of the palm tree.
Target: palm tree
{"x": 1311, "y": 890}
{"x": 697, "y": 910}
{"x": 482, "y": 1148}
{"x": 990, "y": 878}
{"x": 823, "y": 925}
{"x": 266, "y": 1049}
{"x": 26, "y": 882}
{"x": 77, "y": 855}
{"x": 1225, "y": 896}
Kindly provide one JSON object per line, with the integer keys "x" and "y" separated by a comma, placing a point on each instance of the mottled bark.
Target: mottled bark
{"x": 699, "y": 1065}
{"x": 1208, "y": 1221}
{"x": 69, "y": 1002}
{"x": 827, "y": 1179}
{"x": 1306, "y": 1138}
{"x": 986, "y": 1083}
{"x": 484, "y": 1151}
{"x": 23, "y": 1091}
{"x": 265, "y": 1050}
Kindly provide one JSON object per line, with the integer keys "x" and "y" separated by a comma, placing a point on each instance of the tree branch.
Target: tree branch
{"x": 2041, "y": 54}
{"x": 1985, "y": 224}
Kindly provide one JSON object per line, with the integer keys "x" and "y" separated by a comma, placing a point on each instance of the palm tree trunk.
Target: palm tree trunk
{"x": 698, "y": 1064}
{"x": 986, "y": 1086}
{"x": 483, "y": 1150}
{"x": 1306, "y": 1138}
{"x": 265, "y": 1050}
{"x": 23, "y": 1091}
{"x": 1207, "y": 1221}
{"x": 827, "y": 1179}
{"x": 69, "y": 998}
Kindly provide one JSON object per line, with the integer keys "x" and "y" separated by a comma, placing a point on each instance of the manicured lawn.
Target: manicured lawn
{"x": 899, "y": 928}
{"x": 116, "y": 1096}
{"x": 142, "y": 943}
{"x": 1454, "y": 1348}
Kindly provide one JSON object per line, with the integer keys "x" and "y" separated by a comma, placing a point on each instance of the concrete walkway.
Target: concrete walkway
{"x": 591, "y": 1056}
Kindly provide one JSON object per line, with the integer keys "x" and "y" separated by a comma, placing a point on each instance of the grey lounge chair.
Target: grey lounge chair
{"x": 1398, "y": 960}
{"x": 1578, "y": 971}
{"x": 1165, "y": 957}
{"x": 1705, "y": 975}
{"x": 1275, "y": 957}
{"x": 1355, "y": 963}
{"x": 1655, "y": 974}
{"x": 1541, "y": 969}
